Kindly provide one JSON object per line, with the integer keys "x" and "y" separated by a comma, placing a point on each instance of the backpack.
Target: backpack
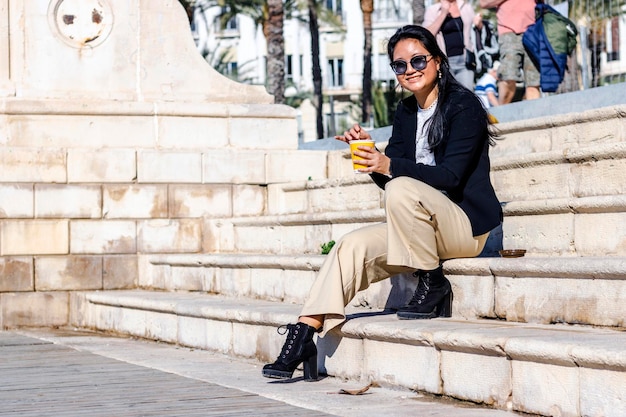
{"x": 486, "y": 47}
{"x": 549, "y": 42}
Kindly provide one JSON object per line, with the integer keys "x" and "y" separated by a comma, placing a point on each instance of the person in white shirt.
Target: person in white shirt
{"x": 487, "y": 86}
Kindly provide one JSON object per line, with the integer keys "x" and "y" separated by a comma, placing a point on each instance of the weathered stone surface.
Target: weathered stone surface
{"x": 546, "y": 389}
{"x": 32, "y": 165}
{"x": 417, "y": 367}
{"x": 16, "y": 201}
{"x": 234, "y": 166}
{"x": 34, "y": 237}
{"x": 103, "y": 236}
{"x": 169, "y": 236}
{"x": 73, "y": 273}
{"x": 249, "y": 200}
{"x": 206, "y": 200}
{"x": 68, "y": 201}
{"x": 119, "y": 272}
{"x": 34, "y": 309}
{"x": 163, "y": 167}
{"x": 286, "y": 166}
{"x": 602, "y": 392}
{"x": 460, "y": 371}
{"x": 104, "y": 165}
{"x": 580, "y": 300}
{"x": 16, "y": 274}
{"x": 134, "y": 201}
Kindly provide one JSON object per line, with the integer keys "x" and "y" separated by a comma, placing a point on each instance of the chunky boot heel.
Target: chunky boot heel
{"x": 298, "y": 348}
{"x": 310, "y": 369}
{"x": 444, "y": 308}
{"x": 432, "y": 297}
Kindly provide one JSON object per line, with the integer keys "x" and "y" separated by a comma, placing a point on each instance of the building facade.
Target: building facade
{"x": 239, "y": 49}
{"x": 242, "y": 48}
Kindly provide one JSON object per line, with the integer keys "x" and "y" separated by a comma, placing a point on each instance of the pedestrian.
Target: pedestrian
{"x": 439, "y": 201}
{"x": 486, "y": 86}
{"x": 513, "y": 18}
{"x": 451, "y": 23}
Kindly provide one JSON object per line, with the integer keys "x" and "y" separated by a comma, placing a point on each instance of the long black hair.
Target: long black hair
{"x": 437, "y": 129}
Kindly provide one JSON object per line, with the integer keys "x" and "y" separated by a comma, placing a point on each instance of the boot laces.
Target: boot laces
{"x": 423, "y": 287}
{"x": 292, "y": 331}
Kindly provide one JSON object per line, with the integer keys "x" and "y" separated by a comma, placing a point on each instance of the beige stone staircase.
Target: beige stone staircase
{"x": 144, "y": 194}
{"x": 540, "y": 334}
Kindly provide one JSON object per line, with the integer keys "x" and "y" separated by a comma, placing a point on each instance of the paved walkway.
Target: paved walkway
{"x": 70, "y": 373}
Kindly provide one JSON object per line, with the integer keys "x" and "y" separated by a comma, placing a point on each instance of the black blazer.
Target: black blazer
{"x": 462, "y": 158}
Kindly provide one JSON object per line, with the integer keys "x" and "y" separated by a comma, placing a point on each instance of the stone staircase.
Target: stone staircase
{"x": 541, "y": 334}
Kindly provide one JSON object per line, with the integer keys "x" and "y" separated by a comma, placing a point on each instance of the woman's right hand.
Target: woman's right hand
{"x": 356, "y": 132}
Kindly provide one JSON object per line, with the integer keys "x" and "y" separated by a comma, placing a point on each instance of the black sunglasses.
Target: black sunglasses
{"x": 418, "y": 62}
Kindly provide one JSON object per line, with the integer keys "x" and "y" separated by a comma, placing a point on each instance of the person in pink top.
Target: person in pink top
{"x": 451, "y": 22}
{"x": 514, "y": 17}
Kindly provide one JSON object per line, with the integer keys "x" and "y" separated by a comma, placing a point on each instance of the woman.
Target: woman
{"x": 439, "y": 201}
{"x": 451, "y": 23}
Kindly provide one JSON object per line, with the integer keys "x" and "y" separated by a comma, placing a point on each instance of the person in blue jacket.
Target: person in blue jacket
{"x": 439, "y": 201}
{"x": 549, "y": 42}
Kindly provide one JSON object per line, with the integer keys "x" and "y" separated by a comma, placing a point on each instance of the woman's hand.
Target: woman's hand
{"x": 374, "y": 160}
{"x": 445, "y": 6}
{"x": 356, "y": 132}
{"x": 478, "y": 21}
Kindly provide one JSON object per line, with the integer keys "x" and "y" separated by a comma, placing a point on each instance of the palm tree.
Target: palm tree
{"x": 367, "y": 6}
{"x": 269, "y": 15}
{"x": 318, "y": 98}
{"x": 275, "y": 50}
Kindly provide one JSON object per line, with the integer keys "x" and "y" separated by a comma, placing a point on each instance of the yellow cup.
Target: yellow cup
{"x": 354, "y": 145}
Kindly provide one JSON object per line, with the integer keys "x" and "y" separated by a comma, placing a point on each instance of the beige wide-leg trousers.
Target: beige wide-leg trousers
{"x": 423, "y": 226}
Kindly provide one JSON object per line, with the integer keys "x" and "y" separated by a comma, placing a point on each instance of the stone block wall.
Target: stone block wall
{"x": 117, "y": 140}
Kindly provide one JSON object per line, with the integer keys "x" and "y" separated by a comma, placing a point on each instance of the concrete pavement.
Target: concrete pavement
{"x": 45, "y": 372}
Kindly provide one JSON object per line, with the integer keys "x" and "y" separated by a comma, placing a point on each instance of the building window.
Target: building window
{"x": 335, "y": 72}
{"x": 230, "y": 24}
{"x": 612, "y": 47}
{"x": 230, "y": 69}
{"x": 380, "y": 67}
{"x": 387, "y": 10}
{"x": 289, "y": 67}
{"x": 334, "y": 6}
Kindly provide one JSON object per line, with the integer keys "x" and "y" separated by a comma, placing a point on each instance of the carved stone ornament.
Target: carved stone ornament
{"x": 81, "y": 23}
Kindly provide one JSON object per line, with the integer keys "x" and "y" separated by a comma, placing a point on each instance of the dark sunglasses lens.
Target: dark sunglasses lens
{"x": 418, "y": 62}
{"x": 399, "y": 67}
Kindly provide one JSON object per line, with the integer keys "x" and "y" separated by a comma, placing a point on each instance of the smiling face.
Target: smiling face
{"x": 423, "y": 82}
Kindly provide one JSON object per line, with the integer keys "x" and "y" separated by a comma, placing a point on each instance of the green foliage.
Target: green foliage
{"x": 295, "y": 99}
{"x": 326, "y": 247}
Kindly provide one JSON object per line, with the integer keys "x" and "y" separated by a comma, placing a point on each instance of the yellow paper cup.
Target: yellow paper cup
{"x": 354, "y": 146}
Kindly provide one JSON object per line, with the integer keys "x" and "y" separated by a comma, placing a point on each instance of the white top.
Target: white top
{"x": 486, "y": 84}
{"x": 423, "y": 155}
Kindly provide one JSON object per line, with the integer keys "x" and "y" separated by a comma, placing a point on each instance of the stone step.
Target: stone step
{"x": 573, "y": 172}
{"x": 571, "y": 226}
{"x": 544, "y": 369}
{"x": 575, "y": 290}
{"x": 585, "y": 226}
{"x": 557, "y": 132}
{"x": 352, "y": 192}
{"x": 288, "y": 234}
{"x": 565, "y": 173}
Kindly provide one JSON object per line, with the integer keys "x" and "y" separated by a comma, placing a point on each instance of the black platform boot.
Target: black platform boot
{"x": 298, "y": 348}
{"x": 432, "y": 297}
